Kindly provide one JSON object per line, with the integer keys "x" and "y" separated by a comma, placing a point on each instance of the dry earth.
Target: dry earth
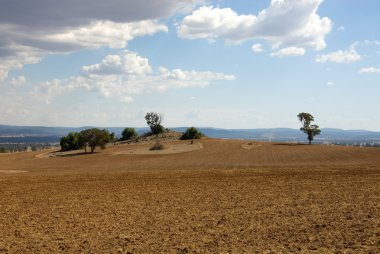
{"x": 223, "y": 198}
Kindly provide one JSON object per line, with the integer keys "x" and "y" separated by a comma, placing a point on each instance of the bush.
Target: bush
{"x": 157, "y": 129}
{"x": 157, "y": 146}
{"x": 128, "y": 133}
{"x": 2, "y": 150}
{"x": 192, "y": 133}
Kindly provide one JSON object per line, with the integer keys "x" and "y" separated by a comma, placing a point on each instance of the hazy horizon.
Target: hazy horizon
{"x": 174, "y": 127}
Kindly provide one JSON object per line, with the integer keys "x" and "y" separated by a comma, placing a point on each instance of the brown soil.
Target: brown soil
{"x": 168, "y": 149}
{"x": 276, "y": 198}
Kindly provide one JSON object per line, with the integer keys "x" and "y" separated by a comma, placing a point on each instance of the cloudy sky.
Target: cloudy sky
{"x": 227, "y": 64}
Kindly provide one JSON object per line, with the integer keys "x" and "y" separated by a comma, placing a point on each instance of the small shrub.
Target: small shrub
{"x": 157, "y": 146}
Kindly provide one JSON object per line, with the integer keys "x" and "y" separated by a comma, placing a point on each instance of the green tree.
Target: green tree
{"x": 311, "y": 130}
{"x": 3, "y": 150}
{"x": 94, "y": 137}
{"x": 112, "y": 137}
{"x": 192, "y": 133}
{"x": 154, "y": 120}
{"x": 71, "y": 142}
{"x": 128, "y": 133}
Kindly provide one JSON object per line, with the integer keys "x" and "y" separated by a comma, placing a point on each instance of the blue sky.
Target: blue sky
{"x": 227, "y": 64}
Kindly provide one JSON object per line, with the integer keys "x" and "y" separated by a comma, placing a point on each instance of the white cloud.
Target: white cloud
{"x": 370, "y": 70}
{"x": 330, "y": 83}
{"x": 348, "y": 56}
{"x": 341, "y": 29}
{"x": 125, "y": 63}
{"x": 124, "y": 75}
{"x": 291, "y": 51}
{"x": 31, "y": 30}
{"x": 103, "y": 33}
{"x": 289, "y": 23}
{"x": 127, "y": 99}
{"x": 257, "y": 48}
{"x": 17, "y": 81}
{"x": 92, "y": 36}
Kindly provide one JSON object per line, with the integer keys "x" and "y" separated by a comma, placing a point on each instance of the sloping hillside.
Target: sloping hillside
{"x": 215, "y": 154}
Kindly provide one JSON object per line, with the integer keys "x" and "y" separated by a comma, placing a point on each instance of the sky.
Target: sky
{"x": 225, "y": 64}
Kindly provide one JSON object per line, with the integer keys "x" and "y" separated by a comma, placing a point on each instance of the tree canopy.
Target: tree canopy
{"x": 71, "y": 142}
{"x": 128, "y": 133}
{"x": 154, "y": 120}
{"x": 95, "y": 137}
{"x": 90, "y": 137}
{"x": 311, "y": 130}
{"x": 192, "y": 133}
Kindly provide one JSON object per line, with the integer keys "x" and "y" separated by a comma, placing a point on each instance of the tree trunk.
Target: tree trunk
{"x": 309, "y": 142}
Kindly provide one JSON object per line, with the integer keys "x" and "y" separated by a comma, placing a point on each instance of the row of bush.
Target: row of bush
{"x": 190, "y": 133}
{"x": 95, "y": 137}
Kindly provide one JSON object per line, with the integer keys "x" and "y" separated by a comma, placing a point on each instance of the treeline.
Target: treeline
{"x": 23, "y": 147}
{"x": 95, "y": 137}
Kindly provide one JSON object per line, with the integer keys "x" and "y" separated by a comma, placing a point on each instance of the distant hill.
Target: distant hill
{"x": 289, "y": 135}
{"x": 41, "y": 134}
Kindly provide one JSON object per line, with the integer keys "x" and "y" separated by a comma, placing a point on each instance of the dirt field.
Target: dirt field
{"x": 226, "y": 197}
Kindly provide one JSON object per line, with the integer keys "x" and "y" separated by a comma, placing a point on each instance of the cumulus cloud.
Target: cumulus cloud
{"x": 31, "y": 30}
{"x": 257, "y": 48}
{"x": 291, "y": 51}
{"x": 347, "y": 56}
{"x": 370, "y": 70}
{"x": 126, "y": 74}
{"x": 125, "y": 63}
{"x": 285, "y": 23}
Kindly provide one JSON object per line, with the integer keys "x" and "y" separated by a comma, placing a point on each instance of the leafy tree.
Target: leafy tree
{"x": 112, "y": 137}
{"x": 71, "y": 142}
{"x": 192, "y": 133}
{"x": 128, "y": 133}
{"x": 2, "y": 150}
{"x": 95, "y": 137}
{"x": 311, "y": 130}
{"x": 154, "y": 122}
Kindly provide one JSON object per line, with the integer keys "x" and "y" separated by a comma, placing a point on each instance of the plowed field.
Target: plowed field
{"x": 225, "y": 197}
